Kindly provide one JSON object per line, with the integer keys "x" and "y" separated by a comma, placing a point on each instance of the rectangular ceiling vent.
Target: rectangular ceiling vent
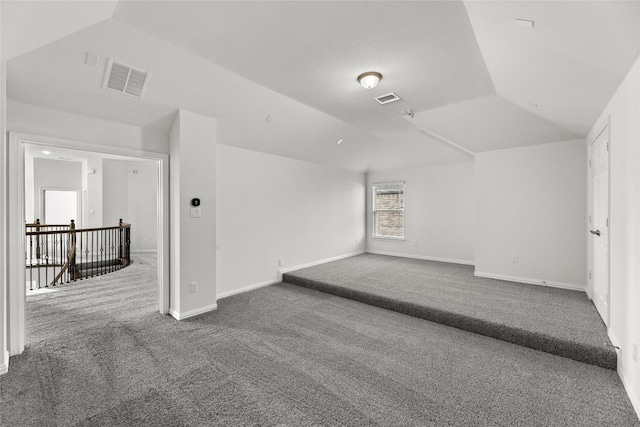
{"x": 125, "y": 79}
{"x": 385, "y": 99}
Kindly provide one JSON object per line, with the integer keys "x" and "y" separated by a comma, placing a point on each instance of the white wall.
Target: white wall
{"x": 532, "y": 202}
{"x": 130, "y": 193}
{"x": 115, "y": 192}
{"x": 272, "y": 207}
{"x": 37, "y": 120}
{"x": 193, "y": 253}
{"x": 93, "y": 191}
{"x": 439, "y": 213}
{"x": 142, "y": 204}
{"x": 624, "y": 215}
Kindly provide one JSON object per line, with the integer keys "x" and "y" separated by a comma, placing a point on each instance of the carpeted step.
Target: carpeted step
{"x": 600, "y": 355}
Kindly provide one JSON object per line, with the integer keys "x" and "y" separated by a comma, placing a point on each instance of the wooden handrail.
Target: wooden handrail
{"x": 79, "y": 230}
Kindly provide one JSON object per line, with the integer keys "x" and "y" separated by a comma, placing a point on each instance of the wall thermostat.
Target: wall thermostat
{"x": 195, "y": 202}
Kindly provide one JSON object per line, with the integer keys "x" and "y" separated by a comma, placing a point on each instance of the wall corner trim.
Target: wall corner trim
{"x": 529, "y": 281}
{"x": 181, "y": 316}
{"x": 311, "y": 264}
{"x": 4, "y": 368}
{"x": 423, "y": 257}
{"x": 626, "y": 382}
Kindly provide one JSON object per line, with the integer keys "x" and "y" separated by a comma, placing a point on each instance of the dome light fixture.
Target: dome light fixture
{"x": 369, "y": 79}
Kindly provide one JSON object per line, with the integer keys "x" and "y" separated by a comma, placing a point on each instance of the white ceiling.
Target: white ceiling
{"x": 473, "y": 78}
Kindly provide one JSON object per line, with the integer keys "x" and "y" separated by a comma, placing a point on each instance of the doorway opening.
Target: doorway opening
{"x": 29, "y": 202}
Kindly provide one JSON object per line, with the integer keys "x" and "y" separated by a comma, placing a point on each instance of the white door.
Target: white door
{"x": 599, "y": 222}
{"x": 61, "y": 206}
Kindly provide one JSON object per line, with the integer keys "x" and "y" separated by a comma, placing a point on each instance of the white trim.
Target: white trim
{"x": 633, "y": 397}
{"x": 390, "y": 238}
{"x": 311, "y": 264}
{"x": 4, "y": 368}
{"x": 529, "y": 281}
{"x": 627, "y": 383}
{"x": 614, "y": 339}
{"x": 423, "y": 257}
{"x": 15, "y": 220}
{"x": 143, "y": 251}
{"x": 186, "y": 315}
{"x": 248, "y": 288}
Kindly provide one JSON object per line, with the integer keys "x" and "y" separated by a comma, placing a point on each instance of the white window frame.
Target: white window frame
{"x": 400, "y": 185}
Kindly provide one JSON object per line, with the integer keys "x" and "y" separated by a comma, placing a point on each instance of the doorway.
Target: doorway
{"x": 599, "y": 221}
{"x": 16, "y": 220}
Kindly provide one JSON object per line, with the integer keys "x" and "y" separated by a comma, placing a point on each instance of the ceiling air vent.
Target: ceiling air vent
{"x": 125, "y": 79}
{"x": 385, "y": 99}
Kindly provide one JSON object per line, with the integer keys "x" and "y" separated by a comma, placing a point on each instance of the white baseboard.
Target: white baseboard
{"x": 247, "y": 288}
{"x": 614, "y": 339}
{"x": 186, "y": 315}
{"x": 549, "y": 283}
{"x": 423, "y": 257}
{"x": 633, "y": 397}
{"x": 143, "y": 251}
{"x": 311, "y": 264}
{"x": 4, "y": 368}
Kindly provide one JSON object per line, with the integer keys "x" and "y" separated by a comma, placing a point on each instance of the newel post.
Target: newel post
{"x": 120, "y": 240}
{"x": 72, "y": 258}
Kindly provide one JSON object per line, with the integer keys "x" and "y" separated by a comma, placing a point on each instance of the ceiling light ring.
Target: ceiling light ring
{"x": 369, "y": 79}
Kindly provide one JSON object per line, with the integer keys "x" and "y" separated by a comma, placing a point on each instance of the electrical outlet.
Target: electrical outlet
{"x": 514, "y": 259}
{"x": 280, "y": 262}
{"x": 193, "y": 287}
{"x": 634, "y": 352}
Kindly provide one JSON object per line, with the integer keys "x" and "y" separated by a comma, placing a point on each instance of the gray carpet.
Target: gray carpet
{"x": 556, "y": 321}
{"x": 287, "y": 356}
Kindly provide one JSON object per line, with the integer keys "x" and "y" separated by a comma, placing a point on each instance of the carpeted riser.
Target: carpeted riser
{"x": 576, "y": 351}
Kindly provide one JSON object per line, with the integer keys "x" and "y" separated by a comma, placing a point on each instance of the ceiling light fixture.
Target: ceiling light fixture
{"x": 339, "y": 141}
{"x": 369, "y": 79}
{"x": 46, "y": 152}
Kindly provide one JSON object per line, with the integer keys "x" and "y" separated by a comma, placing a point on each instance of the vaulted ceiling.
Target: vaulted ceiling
{"x": 473, "y": 80}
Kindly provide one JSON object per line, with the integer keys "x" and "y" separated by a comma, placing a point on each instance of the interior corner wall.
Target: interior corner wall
{"x": 115, "y": 192}
{"x": 439, "y": 213}
{"x": 93, "y": 197}
{"x": 130, "y": 193}
{"x": 142, "y": 204}
{"x": 273, "y": 208}
{"x": 192, "y": 175}
{"x": 623, "y": 111}
{"x": 531, "y": 202}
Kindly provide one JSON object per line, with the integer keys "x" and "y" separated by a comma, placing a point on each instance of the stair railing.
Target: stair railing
{"x": 67, "y": 254}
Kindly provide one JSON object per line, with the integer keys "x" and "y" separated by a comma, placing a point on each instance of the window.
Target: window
{"x": 388, "y": 210}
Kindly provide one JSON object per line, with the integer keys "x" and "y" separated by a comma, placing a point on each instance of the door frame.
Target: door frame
{"x": 16, "y": 302}
{"x": 605, "y": 125}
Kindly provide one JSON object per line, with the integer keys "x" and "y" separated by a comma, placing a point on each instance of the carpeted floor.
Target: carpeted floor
{"x": 557, "y": 321}
{"x": 288, "y": 356}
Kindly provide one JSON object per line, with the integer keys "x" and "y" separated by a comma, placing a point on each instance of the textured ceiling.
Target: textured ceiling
{"x": 313, "y": 51}
{"x": 473, "y": 79}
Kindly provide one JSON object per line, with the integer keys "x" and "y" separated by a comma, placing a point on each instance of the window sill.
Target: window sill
{"x": 392, "y": 239}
